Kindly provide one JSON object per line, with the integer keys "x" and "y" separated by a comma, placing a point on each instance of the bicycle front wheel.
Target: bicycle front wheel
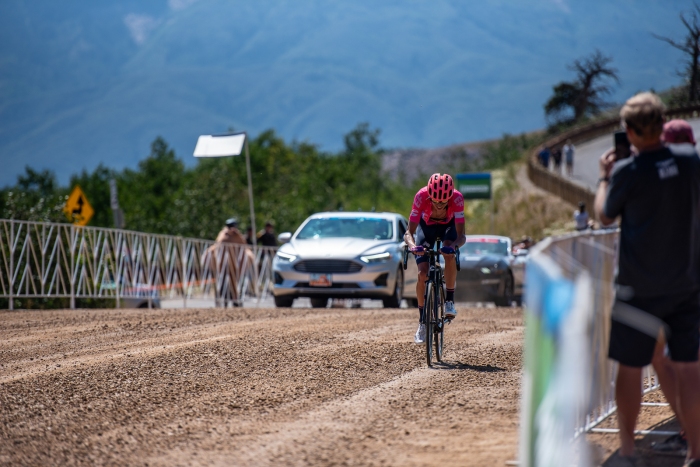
{"x": 439, "y": 328}
{"x": 429, "y": 322}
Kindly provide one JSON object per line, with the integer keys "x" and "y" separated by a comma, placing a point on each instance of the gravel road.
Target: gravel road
{"x": 265, "y": 387}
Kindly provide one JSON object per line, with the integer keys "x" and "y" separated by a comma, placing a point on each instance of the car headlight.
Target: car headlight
{"x": 378, "y": 258}
{"x": 286, "y": 256}
{"x": 485, "y": 270}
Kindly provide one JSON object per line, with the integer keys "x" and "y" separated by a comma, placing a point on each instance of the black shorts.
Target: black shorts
{"x": 426, "y": 235}
{"x": 636, "y": 322}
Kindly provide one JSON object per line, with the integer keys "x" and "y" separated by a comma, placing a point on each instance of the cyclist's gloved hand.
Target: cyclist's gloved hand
{"x": 418, "y": 250}
{"x": 447, "y": 250}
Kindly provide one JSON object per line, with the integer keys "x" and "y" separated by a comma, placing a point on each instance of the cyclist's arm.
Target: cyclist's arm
{"x": 461, "y": 237}
{"x": 408, "y": 236}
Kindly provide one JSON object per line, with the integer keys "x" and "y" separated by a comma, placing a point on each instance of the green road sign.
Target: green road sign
{"x": 475, "y": 185}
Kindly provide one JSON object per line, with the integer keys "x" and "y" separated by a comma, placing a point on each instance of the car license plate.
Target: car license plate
{"x": 320, "y": 280}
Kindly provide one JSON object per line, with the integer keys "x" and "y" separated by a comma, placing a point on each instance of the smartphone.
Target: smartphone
{"x": 622, "y": 146}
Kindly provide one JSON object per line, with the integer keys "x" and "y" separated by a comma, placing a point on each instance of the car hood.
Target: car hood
{"x": 343, "y": 247}
{"x": 471, "y": 261}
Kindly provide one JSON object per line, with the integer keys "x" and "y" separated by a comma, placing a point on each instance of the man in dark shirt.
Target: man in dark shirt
{"x": 657, "y": 195}
{"x": 267, "y": 237}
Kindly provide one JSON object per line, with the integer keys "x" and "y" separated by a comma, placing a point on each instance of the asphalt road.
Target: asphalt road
{"x": 587, "y": 155}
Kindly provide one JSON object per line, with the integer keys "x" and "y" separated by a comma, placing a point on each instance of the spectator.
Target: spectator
{"x": 221, "y": 260}
{"x": 525, "y": 243}
{"x": 556, "y": 157}
{"x": 230, "y": 233}
{"x": 569, "y": 151}
{"x": 266, "y": 237}
{"x": 657, "y": 195}
{"x": 581, "y": 217}
{"x": 678, "y": 136}
{"x": 543, "y": 157}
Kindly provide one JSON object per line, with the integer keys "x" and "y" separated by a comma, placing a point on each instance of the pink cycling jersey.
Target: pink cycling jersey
{"x": 423, "y": 208}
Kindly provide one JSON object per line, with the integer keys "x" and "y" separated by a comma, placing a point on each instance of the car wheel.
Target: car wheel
{"x": 319, "y": 302}
{"x": 283, "y": 302}
{"x": 395, "y": 300}
{"x": 507, "y": 298}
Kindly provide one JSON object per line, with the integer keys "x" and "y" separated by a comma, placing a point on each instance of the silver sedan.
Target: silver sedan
{"x": 345, "y": 255}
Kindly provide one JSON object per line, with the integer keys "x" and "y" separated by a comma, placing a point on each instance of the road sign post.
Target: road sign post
{"x": 476, "y": 186}
{"x": 114, "y": 204}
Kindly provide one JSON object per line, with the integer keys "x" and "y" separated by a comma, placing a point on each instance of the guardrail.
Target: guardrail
{"x": 44, "y": 260}
{"x": 562, "y": 186}
{"x": 569, "y": 382}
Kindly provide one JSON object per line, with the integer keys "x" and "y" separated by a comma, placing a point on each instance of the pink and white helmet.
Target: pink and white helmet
{"x": 440, "y": 187}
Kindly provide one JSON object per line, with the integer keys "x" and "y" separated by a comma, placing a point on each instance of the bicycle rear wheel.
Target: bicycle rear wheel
{"x": 429, "y": 322}
{"x": 439, "y": 329}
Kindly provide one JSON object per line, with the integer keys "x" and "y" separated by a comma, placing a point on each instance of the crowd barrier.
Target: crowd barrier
{"x": 46, "y": 260}
{"x": 563, "y": 187}
{"x": 568, "y": 382}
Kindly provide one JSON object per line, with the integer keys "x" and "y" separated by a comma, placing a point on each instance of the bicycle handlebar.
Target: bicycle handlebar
{"x": 435, "y": 253}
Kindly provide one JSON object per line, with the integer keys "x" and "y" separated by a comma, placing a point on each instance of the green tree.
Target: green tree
{"x": 148, "y": 193}
{"x": 36, "y": 197}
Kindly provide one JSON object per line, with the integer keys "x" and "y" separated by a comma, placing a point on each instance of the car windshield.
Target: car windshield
{"x": 483, "y": 246}
{"x": 355, "y": 227}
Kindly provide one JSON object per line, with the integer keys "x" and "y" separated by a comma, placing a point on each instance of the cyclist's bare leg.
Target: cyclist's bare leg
{"x": 450, "y": 267}
{"x": 423, "y": 269}
{"x": 450, "y": 271}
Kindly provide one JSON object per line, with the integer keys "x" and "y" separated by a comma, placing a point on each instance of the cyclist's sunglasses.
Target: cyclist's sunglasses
{"x": 438, "y": 203}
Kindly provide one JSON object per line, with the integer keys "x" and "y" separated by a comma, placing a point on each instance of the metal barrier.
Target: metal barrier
{"x": 44, "y": 260}
{"x": 569, "y": 381}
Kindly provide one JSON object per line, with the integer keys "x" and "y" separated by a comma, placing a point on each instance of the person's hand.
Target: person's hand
{"x": 606, "y": 163}
{"x": 447, "y": 251}
{"x": 417, "y": 250}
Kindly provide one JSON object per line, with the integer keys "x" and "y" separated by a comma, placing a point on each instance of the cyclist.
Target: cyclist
{"x": 438, "y": 211}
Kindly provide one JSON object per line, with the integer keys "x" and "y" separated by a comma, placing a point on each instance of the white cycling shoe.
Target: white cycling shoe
{"x": 450, "y": 312}
{"x": 419, "y": 338}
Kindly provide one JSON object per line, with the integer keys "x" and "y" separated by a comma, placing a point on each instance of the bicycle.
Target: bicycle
{"x": 434, "y": 302}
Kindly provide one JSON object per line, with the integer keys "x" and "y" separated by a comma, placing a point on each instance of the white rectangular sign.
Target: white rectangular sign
{"x": 219, "y": 146}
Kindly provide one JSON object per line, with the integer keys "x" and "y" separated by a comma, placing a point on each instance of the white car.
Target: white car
{"x": 345, "y": 255}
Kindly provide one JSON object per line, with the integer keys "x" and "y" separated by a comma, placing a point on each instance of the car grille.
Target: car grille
{"x": 327, "y": 266}
{"x": 334, "y": 285}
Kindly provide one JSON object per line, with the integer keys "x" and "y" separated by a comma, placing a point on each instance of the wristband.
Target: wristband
{"x": 603, "y": 179}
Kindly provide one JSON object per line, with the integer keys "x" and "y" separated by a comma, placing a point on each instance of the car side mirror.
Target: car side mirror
{"x": 284, "y": 237}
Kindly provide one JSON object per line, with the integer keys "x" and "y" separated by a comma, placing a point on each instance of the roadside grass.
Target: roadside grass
{"x": 518, "y": 210}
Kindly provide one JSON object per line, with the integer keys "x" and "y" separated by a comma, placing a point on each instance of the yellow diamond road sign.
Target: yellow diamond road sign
{"x": 77, "y": 207}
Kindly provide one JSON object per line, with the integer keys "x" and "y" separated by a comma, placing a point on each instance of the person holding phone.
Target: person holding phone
{"x": 657, "y": 196}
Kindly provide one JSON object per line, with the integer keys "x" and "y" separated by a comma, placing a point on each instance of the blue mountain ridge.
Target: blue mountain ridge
{"x": 83, "y": 83}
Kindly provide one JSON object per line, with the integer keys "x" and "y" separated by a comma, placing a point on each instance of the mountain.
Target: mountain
{"x": 83, "y": 83}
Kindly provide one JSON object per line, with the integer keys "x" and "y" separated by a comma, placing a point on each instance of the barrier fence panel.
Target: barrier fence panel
{"x": 568, "y": 383}
{"x": 48, "y": 260}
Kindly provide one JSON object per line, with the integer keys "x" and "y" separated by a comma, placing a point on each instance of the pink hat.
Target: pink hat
{"x": 678, "y": 131}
